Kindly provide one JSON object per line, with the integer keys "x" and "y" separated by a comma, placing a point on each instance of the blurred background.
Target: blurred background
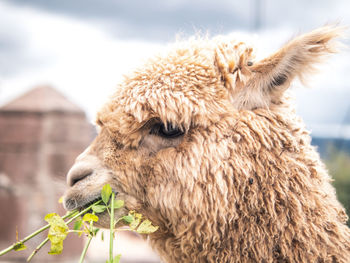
{"x": 61, "y": 59}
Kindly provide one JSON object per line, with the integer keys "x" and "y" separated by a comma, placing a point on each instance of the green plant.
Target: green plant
{"x": 338, "y": 164}
{"x": 84, "y": 224}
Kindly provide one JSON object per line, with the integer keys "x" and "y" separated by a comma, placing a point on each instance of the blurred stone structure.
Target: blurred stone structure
{"x": 41, "y": 134}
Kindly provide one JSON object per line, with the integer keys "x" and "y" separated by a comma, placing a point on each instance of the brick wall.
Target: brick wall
{"x": 37, "y": 148}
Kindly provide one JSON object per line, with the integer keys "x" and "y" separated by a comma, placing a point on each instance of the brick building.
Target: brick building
{"x": 41, "y": 133}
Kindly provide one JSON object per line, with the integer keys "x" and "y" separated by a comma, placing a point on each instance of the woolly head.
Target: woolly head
{"x": 192, "y": 135}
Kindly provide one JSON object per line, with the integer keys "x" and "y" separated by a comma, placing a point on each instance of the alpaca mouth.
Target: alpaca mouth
{"x": 72, "y": 203}
{"x": 80, "y": 203}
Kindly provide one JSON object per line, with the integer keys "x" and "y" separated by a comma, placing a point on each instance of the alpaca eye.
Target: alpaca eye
{"x": 170, "y": 131}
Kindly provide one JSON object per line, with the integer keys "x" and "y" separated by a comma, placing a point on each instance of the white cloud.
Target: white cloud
{"x": 86, "y": 63}
{"x": 77, "y": 58}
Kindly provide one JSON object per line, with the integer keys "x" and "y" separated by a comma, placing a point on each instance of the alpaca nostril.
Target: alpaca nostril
{"x": 77, "y": 173}
{"x": 70, "y": 204}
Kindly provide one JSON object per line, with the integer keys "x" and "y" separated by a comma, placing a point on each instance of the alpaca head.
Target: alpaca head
{"x": 192, "y": 135}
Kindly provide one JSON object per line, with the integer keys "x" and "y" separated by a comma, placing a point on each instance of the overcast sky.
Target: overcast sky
{"x": 83, "y": 47}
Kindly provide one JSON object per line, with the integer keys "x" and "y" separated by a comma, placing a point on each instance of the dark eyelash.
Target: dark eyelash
{"x": 169, "y": 131}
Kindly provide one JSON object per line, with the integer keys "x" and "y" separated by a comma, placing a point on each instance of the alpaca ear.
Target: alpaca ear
{"x": 272, "y": 76}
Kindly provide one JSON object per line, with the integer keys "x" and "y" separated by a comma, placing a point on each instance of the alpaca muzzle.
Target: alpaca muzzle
{"x": 85, "y": 180}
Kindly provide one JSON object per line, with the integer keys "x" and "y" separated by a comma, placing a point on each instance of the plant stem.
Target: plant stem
{"x": 88, "y": 242}
{"x": 37, "y": 249}
{"x": 69, "y": 221}
{"x": 72, "y": 215}
{"x": 111, "y": 229}
{"x": 125, "y": 229}
{"x": 82, "y": 212}
{"x": 85, "y": 249}
{"x": 91, "y": 224}
{"x": 6, "y": 250}
{"x": 118, "y": 220}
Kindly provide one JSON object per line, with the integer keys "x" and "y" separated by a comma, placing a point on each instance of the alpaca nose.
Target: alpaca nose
{"x": 78, "y": 172}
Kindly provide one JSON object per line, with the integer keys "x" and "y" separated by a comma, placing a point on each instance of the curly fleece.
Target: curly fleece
{"x": 243, "y": 184}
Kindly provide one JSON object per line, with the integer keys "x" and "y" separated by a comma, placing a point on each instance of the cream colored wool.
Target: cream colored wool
{"x": 243, "y": 184}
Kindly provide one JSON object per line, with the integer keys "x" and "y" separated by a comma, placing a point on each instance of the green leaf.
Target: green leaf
{"x": 98, "y": 208}
{"x": 78, "y": 224}
{"x": 90, "y": 217}
{"x": 118, "y": 204}
{"x": 106, "y": 193}
{"x": 146, "y": 227}
{"x": 116, "y": 259}
{"x": 128, "y": 219}
{"x": 102, "y": 236}
{"x": 56, "y": 248}
{"x": 57, "y": 233}
{"x": 77, "y": 227}
{"x": 95, "y": 231}
{"x": 19, "y": 246}
{"x": 137, "y": 219}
